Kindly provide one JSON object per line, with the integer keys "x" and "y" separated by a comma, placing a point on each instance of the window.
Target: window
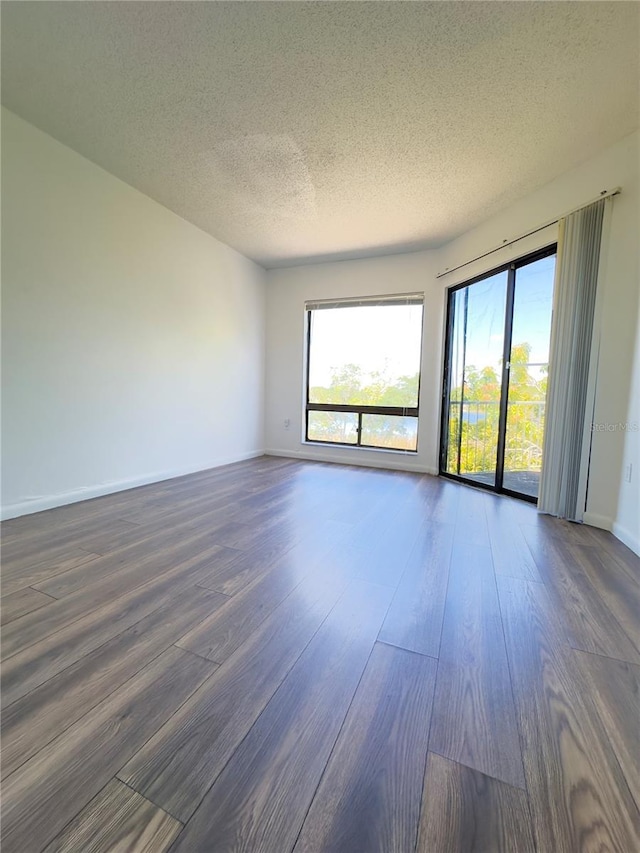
{"x": 363, "y": 372}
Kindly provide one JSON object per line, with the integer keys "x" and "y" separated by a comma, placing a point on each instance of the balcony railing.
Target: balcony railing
{"x": 473, "y": 436}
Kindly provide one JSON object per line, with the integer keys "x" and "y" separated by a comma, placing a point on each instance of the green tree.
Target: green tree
{"x": 473, "y": 427}
{"x": 349, "y": 386}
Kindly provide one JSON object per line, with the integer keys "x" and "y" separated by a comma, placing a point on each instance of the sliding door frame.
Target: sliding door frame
{"x": 511, "y": 269}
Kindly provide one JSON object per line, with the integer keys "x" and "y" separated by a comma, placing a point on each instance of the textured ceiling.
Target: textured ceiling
{"x": 308, "y": 130}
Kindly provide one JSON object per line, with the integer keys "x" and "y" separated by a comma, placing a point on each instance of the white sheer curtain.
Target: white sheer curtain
{"x": 572, "y": 361}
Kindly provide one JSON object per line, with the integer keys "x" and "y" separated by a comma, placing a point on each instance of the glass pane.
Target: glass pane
{"x": 477, "y": 346}
{"x": 365, "y": 355}
{"x": 456, "y": 369}
{"x": 532, "y": 305}
{"x": 341, "y": 427}
{"x": 390, "y": 431}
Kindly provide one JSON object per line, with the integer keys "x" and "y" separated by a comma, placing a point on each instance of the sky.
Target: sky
{"x": 486, "y": 316}
{"x": 376, "y": 338}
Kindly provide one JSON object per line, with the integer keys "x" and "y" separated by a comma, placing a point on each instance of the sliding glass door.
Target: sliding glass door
{"x": 476, "y": 349}
{"x": 527, "y": 376}
{"x": 497, "y": 354}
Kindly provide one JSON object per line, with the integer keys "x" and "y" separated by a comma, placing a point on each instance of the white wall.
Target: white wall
{"x": 611, "y": 502}
{"x": 627, "y": 520}
{"x": 133, "y": 342}
{"x": 288, "y": 290}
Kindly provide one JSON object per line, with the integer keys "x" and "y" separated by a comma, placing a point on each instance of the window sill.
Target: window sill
{"x": 330, "y": 444}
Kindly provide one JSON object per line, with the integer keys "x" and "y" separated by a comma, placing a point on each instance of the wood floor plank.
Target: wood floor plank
{"x": 548, "y": 527}
{"x": 44, "y": 713}
{"x": 177, "y": 767}
{"x": 193, "y": 559}
{"x": 162, "y": 548}
{"x": 244, "y": 536}
{"x": 189, "y": 507}
{"x": 46, "y": 792}
{"x": 40, "y": 569}
{"x": 118, "y": 820}
{"x": 465, "y": 811}
{"x": 17, "y": 555}
{"x": 106, "y": 542}
{"x": 349, "y": 502}
{"x": 382, "y": 552}
{"x": 578, "y": 797}
{"x": 590, "y": 624}
{"x": 233, "y": 577}
{"x": 510, "y": 552}
{"x": 474, "y": 720}
{"x": 613, "y": 586}
{"x": 613, "y": 548}
{"x": 615, "y": 689}
{"x": 39, "y": 662}
{"x": 260, "y": 799}
{"x": 218, "y": 637}
{"x": 471, "y": 517}
{"x": 370, "y": 793}
{"x": 21, "y": 602}
{"x": 438, "y": 499}
{"x": 414, "y": 620}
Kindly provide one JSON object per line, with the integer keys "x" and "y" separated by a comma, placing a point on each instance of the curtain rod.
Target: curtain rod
{"x": 505, "y": 243}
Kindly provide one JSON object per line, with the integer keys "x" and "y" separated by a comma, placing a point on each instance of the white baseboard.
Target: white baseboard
{"x": 388, "y": 460}
{"x": 626, "y": 537}
{"x": 42, "y": 502}
{"x": 600, "y": 521}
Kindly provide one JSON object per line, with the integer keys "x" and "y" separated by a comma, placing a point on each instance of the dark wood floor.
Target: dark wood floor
{"x": 280, "y": 655}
